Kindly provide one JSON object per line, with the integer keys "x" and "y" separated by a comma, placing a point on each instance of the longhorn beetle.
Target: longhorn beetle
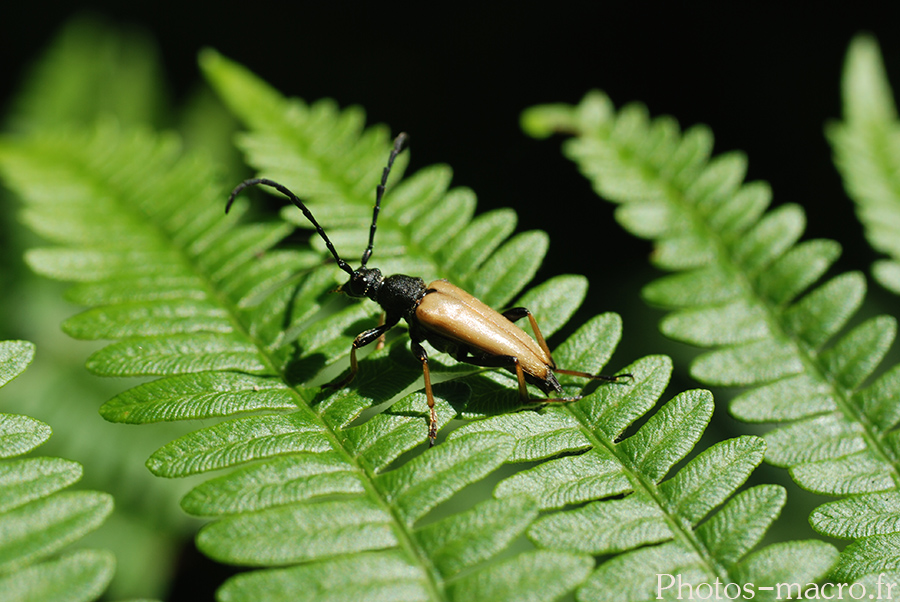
{"x": 446, "y": 316}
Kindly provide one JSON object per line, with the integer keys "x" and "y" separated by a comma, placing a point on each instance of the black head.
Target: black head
{"x": 364, "y": 282}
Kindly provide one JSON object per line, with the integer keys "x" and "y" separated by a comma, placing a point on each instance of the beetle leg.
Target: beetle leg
{"x": 361, "y": 340}
{"x": 422, "y": 356}
{"x": 501, "y": 361}
{"x": 380, "y": 344}
{"x": 517, "y": 313}
{"x": 504, "y": 361}
{"x": 520, "y": 376}
{"x": 523, "y": 392}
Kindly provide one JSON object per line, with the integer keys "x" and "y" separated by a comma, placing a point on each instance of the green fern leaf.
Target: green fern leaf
{"x": 123, "y": 79}
{"x": 21, "y": 434}
{"x": 531, "y": 577}
{"x": 204, "y": 395}
{"x": 780, "y": 564}
{"x": 865, "y": 153}
{"x": 615, "y": 499}
{"x": 37, "y": 518}
{"x": 274, "y": 482}
{"x": 741, "y": 288}
{"x": 866, "y": 556}
{"x": 859, "y": 516}
{"x": 14, "y": 358}
{"x": 387, "y": 575}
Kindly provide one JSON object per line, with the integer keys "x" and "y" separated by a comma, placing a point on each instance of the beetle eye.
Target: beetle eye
{"x": 362, "y": 282}
{"x": 354, "y": 287}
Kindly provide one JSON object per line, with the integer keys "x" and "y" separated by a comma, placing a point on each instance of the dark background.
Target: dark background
{"x": 456, "y": 76}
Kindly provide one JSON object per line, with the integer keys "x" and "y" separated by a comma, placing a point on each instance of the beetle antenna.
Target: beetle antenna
{"x": 399, "y": 142}
{"x": 293, "y": 197}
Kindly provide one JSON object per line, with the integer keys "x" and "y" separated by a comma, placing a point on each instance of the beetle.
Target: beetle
{"x": 449, "y": 318}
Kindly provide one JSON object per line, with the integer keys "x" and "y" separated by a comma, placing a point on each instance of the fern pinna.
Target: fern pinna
{"x": 739, "y": 288}
{"x": 37, "y": 519}
{"x": 864, "y": 144}
{"x": 323, "y": 494}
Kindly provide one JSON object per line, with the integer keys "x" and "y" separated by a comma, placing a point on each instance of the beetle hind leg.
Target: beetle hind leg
{"x": 422, "y": 356}
{"x": 517, "y": 313}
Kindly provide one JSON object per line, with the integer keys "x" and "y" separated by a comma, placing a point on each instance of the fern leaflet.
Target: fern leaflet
{"x": 740, "y": 275}
{"x": 864, "y": 145}
{"x": 37, "y": 518}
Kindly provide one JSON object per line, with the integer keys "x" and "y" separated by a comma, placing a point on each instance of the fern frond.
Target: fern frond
{"x": 37, "y": 518}
{"x": 865, "y": 146}
{"x": 95, "y": 67}
{"x": 190, "y": 295}
{"x": 740, "y": 289}
{"x": 615, "y": 499}
{"x": 124, "y": 78}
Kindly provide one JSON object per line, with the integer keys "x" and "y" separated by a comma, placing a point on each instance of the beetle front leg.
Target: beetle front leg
{"x": 380, "y": 344}
{"x": 422, "y": 356}
{"x": 361, "y": 340}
